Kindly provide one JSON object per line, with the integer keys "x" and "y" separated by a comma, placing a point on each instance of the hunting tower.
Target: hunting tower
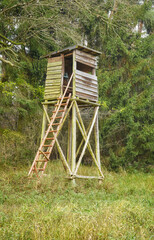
{"x": 71, "y": 85}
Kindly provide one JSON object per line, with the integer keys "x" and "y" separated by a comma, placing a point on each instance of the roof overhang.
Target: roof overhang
{"x": 71, "y": 48}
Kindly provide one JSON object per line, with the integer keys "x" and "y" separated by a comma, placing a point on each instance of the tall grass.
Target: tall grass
{"x": 120, "y": 208}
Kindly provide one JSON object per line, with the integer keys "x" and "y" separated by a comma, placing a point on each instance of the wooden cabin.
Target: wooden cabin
{"x": 81, "y": 61}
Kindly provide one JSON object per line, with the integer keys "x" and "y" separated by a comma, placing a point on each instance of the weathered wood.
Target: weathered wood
{"x": 85, "y": 177}
{"x": 86, "y": 142}
{"x": 86, "y": 96}
{"x": 57, "y": 76}
{"x": 96, "y": 134}
{"x": 85, "y": 82}
{"x": 62, "y": 73}
{"x": 54, "y": 68}
{"x": 53, "y": 92}
{"x": 55, "y": 64}
{"x": 90, "y": 91}
{"x": 53, "y": 79}
{"x": 86, "y": 61}
{"x": 88, "y": 145}
{"x": 69, "y": 138}
{"x": 86, "y": 55}
{"x": 44, "y": 122}
{"x": 84, "y": 134}
{"x": 73, "y": 147}
{"x": 87, "y": 87}
{"x": 54, "y": 59}
{"x": 54, "y": 72}
{"x": 81, "y": 143}
{"x": 51, "y": 87}
{"x": 87, "y": 75}
{"x": 86, "y": 102}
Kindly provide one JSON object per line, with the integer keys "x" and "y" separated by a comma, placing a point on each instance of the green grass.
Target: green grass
{"x": 120, "y": 208}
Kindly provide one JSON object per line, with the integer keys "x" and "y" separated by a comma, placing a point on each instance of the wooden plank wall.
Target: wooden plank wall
{"x": 86, "y": 84}
{"x": 53, "y": 79}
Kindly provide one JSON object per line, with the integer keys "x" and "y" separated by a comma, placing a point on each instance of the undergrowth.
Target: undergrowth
{"x": 119, "y": 208}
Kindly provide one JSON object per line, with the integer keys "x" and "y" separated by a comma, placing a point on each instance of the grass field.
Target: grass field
{"x": 119, "y": 208}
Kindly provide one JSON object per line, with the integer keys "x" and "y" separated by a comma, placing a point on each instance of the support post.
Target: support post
{"x": 97, "y": 148}
{"x": 96, "y": 134}
{"x": 73, "y": 148}
{"x": 69, "y": 138}
{"x": 44, "y": 121}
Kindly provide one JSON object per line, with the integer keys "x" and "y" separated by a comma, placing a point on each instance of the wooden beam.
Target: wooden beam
{"x": 85, "y": 145}
{"x": 85, "y": 177}
{"x": 88, "y": 145}
{"x": 44, "y": 122}
{"x": 73, "y": 147}
{"x": 69, "y": 138}
{"x": 78, "y": 150}
{"x": 87, "y": 102}
{"x": 96, "y": 135}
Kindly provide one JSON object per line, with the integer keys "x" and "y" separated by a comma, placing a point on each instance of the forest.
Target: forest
{"x": 120, "y": 208}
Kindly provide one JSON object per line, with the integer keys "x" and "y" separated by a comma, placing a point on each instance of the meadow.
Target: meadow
{"x": 119, "y": 208}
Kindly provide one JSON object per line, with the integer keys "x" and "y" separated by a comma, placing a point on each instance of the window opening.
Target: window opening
{"x": 68, "y": 69}
{"x": 84, "y": 68}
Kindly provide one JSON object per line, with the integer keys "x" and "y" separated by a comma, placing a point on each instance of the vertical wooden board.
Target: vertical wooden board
{"x": 53, "y": 78}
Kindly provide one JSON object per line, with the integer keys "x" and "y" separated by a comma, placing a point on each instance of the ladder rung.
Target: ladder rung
{"x": 44, "y": 153}
{"x": 63, "y": 98}
{"x": 47, "y": 145}
{"x": 54, "y": 124}
{"x": 56, "y": 117}
{"x": 49, "y": 138}
{"x": 53, "y": 131}
{"x": 63, "y": 104}
{"x": 41, "y": 160}
{"x": 59, "y": 111}
{"x": 66, "y": 86}
{"x": 41, "y": 169}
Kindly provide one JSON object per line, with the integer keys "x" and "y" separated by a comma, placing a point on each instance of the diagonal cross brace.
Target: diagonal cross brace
{"x": 84, "y": 134}
{"x": 86, "y": 142}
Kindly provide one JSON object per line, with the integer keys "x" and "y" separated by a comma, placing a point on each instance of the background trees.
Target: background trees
{"x": 121, "y": 30}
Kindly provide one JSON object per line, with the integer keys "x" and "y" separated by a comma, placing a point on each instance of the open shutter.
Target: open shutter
{"x": 53, "y": 79}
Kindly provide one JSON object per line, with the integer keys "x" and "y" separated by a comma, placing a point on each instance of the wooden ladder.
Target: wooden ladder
{"x": 43, "y": 154}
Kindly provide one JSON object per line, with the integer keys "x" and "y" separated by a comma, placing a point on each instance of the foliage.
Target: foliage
{"x": 20, "y": 118}
{"x": 30, "y": 29}
{"x": 125, "y": 84}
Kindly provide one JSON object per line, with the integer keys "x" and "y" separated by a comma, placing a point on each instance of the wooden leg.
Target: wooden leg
{"x": 73, "y": 152}
{"x": 44, "y": 122}
{"x": 97, "y": 148}
{"x": 69, "y": 138}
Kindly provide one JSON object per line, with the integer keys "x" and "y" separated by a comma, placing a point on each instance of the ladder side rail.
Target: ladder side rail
{"x": 56, "y": 134}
